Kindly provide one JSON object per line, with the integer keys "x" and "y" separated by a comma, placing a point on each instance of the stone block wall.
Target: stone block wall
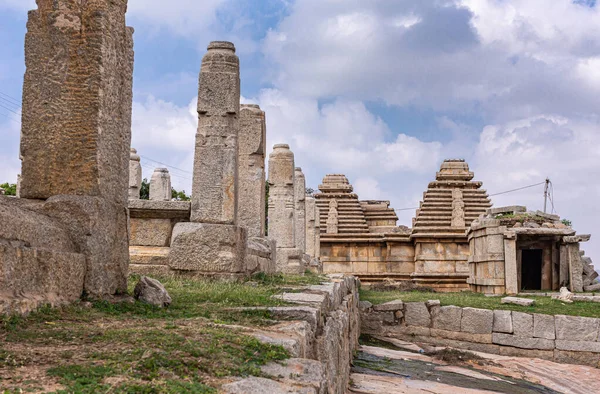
{"x": 321, "y": 336}
{"x": 565, "y": 339}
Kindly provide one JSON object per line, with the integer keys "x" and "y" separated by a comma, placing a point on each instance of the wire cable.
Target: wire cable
{"x": 164, "y": 164}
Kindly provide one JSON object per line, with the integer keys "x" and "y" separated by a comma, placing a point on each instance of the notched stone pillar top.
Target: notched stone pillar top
{"x": 219, "y": 92}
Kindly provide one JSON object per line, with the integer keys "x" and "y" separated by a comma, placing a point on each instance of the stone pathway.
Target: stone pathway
{"x": 410, "y": 370}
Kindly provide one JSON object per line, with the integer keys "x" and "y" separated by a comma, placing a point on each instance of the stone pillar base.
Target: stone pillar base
{"x": 208, "y": 248}
{"x": 260, "y": 255}
{"x": 290, "y": 261}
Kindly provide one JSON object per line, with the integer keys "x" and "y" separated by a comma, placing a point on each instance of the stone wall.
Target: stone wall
{"x": 565, "y": 339}
{"x": 321, "y": 334}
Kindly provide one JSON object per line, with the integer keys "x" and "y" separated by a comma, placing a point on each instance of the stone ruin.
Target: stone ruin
{"x": 68, "y": 230}
{"x": 513, "y": 250}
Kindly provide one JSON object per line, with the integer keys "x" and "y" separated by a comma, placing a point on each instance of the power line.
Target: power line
{"x": 516, "y": 190}
{"x": 491, "y": 195}
{"x": 151, "y": 168}
{"x": 164, "y": 164}
{"x": 8, "y": 109}
{"x": 14, "y": 100}
{"x": 10, "y": 102}
{"x": 10, "y": 118}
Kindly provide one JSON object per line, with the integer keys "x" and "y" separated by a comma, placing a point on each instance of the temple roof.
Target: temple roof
{"x": 451, "y": 202}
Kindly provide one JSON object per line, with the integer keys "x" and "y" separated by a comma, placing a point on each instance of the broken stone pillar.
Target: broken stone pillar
{"x": 76, "y": 130}
{"x": 251, "y": 170}
{"x": 300, "y": 201}
{"x": 212, "y": 244}
{"x": 135, "y": 175}
{"x": 332, "y": 218}
{"x": 160, "y": 185}
{"x": 282, "y": 209}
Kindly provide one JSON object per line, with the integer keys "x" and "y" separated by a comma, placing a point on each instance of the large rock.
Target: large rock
{"x": 208, "y": 248}
{"x": 262, "y": 385}
{"x": 477, "y": 321}
{"x": 151, "y": 292}
{"x": 518, "y": 301}
{"x": 308, "y": 373}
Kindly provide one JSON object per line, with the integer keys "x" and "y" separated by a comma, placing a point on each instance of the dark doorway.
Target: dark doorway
{"x": 531, "y": 269}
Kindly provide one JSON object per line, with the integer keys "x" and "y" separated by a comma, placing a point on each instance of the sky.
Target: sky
{"x": 381, "y": 90}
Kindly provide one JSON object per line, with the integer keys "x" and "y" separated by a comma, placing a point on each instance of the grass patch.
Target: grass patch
{"x": 543, "y": 305}
{"x": 138, "y": 348}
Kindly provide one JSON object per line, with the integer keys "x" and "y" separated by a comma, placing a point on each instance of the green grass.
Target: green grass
{"x": 138, "y": 348}
{"x": 544, "y": 305}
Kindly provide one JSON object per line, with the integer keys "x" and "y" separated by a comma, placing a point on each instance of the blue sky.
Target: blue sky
{"x": 380, "y": 90}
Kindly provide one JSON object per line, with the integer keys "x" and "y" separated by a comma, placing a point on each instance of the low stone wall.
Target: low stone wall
{"x": 566, "y": 339}
{"x": 321, "y": 334}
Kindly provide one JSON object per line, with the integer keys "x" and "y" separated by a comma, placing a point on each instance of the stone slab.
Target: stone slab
{"x": 523, "y": 343}
{"x": 150, "y": 232}
{"x": 518, "y": 301}
{"x": 477, "y": 321}
{"x": 578, "y": 346}
{"x": 576, "y": 328}
{"x": 461, "y": 336}
{"x": 543, "y": 326}
{"x": 503, "y": 322}
{"x": 417, "y": 314}
{"x": 522, "y": 324}
{"x": 446, "y": 318}
{"x": 396, "y": 305}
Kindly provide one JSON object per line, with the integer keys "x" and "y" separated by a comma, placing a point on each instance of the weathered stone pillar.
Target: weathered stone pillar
{"x": 77, "y": 97}
{"x": 214, "y": 187}
{"x": 317, "y": 238}
{"x": 251, "y": 170}
{"x": 212, "y": 243}
{"x": 511, "y": 274}
{"x": 300, "y": 207}
{"x": 311, "y": 218}
{"x": 135, "y": 175}
{"x": 458, "y": 209}
{"x": 76, "y": 129}
{"x": 160, "y": 185}
{"x": 282, "y": 209}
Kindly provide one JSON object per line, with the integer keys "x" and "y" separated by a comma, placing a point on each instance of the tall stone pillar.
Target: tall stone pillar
{"x": 332, "y": 217}
{"x": 311, "y": 218}
{"x": 135, "y": 175}
{"x": 160, "y": 185}
{"x": 251, "y": 170}
{"x": 282, "y": 209}
{"x": 300, "y": 201}
{"x": 214, "y": 187}
{"x": 212, "y": 243}
{"x": 76, "y": 129}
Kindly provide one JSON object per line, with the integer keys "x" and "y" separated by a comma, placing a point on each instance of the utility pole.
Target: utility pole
{"x": 546, "y": 194}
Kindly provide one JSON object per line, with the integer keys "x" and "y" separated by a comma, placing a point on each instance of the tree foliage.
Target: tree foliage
{"x": 145, "y": 189}
{"x": 179, "y": 195}
{"x": 10, "y": 189}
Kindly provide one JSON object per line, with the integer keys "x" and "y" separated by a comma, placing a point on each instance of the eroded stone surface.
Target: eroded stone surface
{"x": 576, "y": 328}
{"x": 151, "y": 292}
{"x": 447, "y": 318}
{"x": 77, "y": 97}
{"x": 503, "y": 322}
{"x": 300, "y": 209}
{"x": 417, "y": 314}
{"x": 477, "y": 321}
{"x": 160, "y": 185}
{"x": 522, "y": 324}
{"x": 209, "y": 248}
{"x": 214, "y": 186}
{"x": 135, "y": 174}
{"x": 251, "y": 170}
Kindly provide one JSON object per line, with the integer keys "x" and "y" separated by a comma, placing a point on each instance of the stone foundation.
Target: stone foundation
{"x": 560, "y": 338}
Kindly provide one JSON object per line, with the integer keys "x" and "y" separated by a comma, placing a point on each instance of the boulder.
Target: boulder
{"x": 151, "y": 292}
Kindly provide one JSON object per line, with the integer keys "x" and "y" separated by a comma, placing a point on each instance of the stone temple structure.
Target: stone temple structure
{"x": 513, "y": 250}
{"x": 220, "y": 233}
{"x": 68, "y": 233}
{"x": 362, "y": 237}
